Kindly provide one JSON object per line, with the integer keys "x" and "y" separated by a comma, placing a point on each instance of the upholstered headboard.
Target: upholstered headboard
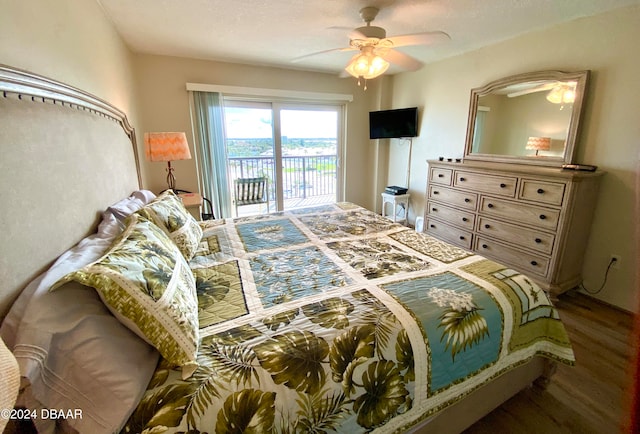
{"x": 66, "y": 155}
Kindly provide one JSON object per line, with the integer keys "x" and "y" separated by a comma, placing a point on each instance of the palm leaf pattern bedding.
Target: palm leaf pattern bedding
{"x": 334, "y": 319}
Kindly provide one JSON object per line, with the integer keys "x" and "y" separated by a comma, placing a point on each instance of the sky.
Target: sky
{"x": 256, "y": 123}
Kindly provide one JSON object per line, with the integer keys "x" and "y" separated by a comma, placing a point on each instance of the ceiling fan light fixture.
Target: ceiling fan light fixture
{"x": 562, "y": 95}
{"x": 367, "y": 65}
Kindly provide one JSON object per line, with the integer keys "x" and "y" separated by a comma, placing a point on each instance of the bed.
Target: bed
{"x": 314, "y": 320}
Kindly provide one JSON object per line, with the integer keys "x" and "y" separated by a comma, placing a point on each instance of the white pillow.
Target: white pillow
{"x": 73, "y": 351}
{"x": 110, "y": 226}
{"x": 133, "y": 203}
{"x": 86, "y": 251}
{"x": 77, "y": 355}
{"x": 145, "y": 196}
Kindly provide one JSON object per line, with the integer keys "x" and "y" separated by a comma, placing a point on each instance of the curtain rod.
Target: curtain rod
{"x": 280, "y": 93}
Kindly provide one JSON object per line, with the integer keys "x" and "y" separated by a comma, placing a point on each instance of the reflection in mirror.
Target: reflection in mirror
{"x": 531, "y": 118}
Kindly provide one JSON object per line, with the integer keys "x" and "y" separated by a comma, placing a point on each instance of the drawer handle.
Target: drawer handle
{"x": 538, "y": 240}
{"x": 489, "y": 205}
{"x": 534, "y": 263}
{"x": 462, "y": 179}
{"x": 487, "y": 226}
{"x": 503, "y": 185}
{"x": 540, "y": 191}
{"x": 484, "y": 246}
{"x": 432, "y": 226}
{"x": 434, "y": 209}
{"x": 461, "y": 237}
{"x": 542, "y": 216}
{"x": 467, "y": 200}
{"x": 436, "y": 192}
{"x": 440, "y": 175}
{"x": 464, "y": 219}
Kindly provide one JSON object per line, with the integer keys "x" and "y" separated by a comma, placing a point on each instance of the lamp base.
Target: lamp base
{"x": 171, "y": 179}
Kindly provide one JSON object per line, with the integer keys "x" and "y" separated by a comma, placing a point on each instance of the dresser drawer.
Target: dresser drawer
{"x": 512, "y": 234}
{"x": 449, "y": 233}
{"x": 550, "y": 193}
{"x": 456, "y": 217}
{"x": 452, "y": 197}
{"x": 536, "y": 216}
{"x": 522, "y": 261}
{"x": 441, "y": 176}
{"x": 498, "y": 185}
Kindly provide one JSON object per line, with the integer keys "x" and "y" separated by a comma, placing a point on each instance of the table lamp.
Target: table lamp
{"x": 539, "y": 144}
{"x": 170, "y": 146}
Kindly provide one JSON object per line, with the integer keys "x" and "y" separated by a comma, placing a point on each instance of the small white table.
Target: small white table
{"x": 396, "y": 200}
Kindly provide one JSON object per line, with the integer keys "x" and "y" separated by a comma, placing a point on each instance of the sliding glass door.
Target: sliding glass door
{"x": 309, "y": 156}
{"x": 295, "y": 146}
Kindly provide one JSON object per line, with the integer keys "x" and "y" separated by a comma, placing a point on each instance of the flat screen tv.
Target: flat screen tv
{"x": 390, "y": 124}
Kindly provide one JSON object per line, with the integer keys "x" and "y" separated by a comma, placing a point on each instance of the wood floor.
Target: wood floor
{"x": 587, "y": 398}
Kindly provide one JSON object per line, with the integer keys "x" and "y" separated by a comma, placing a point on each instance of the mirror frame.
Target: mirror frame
{"x": 582, "y": 79}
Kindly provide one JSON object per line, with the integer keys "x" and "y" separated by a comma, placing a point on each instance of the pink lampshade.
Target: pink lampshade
{"x": 539, "y": 143}
{"x": 166, "y": 146}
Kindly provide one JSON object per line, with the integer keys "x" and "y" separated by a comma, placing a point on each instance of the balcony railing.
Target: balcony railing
{"x": 302, "y": 177}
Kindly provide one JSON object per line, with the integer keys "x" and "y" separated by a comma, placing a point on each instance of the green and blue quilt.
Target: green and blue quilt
{"x": 334, "y": 319}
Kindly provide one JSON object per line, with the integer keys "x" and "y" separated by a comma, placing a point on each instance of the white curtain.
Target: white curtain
{"x": 212, "y": 152}
{"x": 478, "y": 130}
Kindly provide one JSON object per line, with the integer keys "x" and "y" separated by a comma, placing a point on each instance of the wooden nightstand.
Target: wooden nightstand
{"x": 193, "y": 203}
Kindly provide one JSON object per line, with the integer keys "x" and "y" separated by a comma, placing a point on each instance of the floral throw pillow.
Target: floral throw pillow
{"x": 147, "y": 284}
{"x": 168, "y": 212}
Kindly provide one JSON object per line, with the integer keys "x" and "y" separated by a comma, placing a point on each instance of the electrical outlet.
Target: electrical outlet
{"x": 617, "y": 260}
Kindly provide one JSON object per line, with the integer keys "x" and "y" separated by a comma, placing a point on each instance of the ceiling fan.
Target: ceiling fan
{"x": 377, "y": 51}
{"x": 560, "y": 92}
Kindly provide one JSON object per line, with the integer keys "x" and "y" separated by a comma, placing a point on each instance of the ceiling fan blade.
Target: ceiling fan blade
{"x": 426, "y": 38}
{"x": 403, "y": 60}
{"x": 541, "y": 88}
{"x": 352, "y": 33}
{"x": 317, "y": 53}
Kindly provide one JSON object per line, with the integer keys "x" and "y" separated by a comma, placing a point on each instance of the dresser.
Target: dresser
{"x": 533, "y": 219}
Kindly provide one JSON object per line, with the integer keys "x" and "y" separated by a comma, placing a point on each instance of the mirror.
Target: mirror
{"x": 529, "y": 118}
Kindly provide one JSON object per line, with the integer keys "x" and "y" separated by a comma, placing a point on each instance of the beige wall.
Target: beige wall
{"x": 161, "y": 84}
{"x": 605, "y": 44}
{"x": 70, "y": 41}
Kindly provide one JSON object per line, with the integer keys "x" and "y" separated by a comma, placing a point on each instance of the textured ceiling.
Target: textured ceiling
{"x": 273, "y": 32}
